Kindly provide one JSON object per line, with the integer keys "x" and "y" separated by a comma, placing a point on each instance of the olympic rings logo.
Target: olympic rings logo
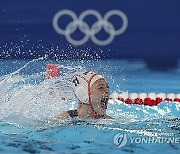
{"x": 90, "y": 32}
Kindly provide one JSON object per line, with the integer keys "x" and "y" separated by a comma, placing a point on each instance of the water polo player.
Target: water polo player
{"x": 92, "y": 91}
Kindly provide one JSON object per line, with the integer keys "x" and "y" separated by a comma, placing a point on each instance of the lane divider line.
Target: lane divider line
{"x": 150, "y": 99}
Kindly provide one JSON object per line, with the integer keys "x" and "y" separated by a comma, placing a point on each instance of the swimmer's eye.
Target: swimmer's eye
{"x": 103, "y": 87}
{"x": 100, "y": 88}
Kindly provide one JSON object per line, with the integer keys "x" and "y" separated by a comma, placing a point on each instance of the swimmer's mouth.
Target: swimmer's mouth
{"x": 104, "y": 102}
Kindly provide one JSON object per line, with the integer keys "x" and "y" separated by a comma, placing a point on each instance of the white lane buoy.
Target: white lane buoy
{"x": 171, "y": 96}
{"x": 152, "y": 95}
{"x": 133, "y": 96}
{"x": 114, "y": 95}
{"x": 161, "y": 95}
{"x": 142, "y": 95}
{"x": 178, "y": 96}
{"x": 124, "y": 95}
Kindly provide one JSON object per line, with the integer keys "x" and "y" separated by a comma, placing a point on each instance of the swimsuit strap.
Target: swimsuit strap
{"x": 72, "y": 113}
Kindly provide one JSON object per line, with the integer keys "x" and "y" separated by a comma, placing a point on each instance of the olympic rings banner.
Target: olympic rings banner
{"x": 90, "y": 32}
{"x": 110, "y": 28}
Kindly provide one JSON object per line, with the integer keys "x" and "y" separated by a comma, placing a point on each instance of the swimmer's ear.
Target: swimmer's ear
{"x": 81, "y": 94}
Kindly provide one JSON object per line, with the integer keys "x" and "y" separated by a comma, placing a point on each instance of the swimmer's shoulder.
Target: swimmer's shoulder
{"x": 67, "y": 115}
{"x": 64, "y": 115}
{"x": 74, "y": 113}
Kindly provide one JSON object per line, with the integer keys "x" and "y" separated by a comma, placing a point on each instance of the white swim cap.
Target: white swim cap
{"x": 81, "y": 83}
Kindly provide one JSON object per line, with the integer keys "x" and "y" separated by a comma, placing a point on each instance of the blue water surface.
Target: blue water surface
{"x": 26, "y": 98}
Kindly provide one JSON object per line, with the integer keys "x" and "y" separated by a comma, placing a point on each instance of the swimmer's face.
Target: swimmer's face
{"x": 99, "y": 96}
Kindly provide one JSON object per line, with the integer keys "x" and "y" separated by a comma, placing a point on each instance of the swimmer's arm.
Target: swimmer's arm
{"x": 62, "y": 116}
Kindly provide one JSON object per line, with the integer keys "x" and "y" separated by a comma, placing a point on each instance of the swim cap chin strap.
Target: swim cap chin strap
{"x": 95, "y": 115}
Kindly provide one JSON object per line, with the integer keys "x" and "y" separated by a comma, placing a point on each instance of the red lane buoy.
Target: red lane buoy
{"x": 128, "y": 101}
{"x": 138, "y": 101}
{"x": 153, "y": 102}
{"x": 147, "y": 101}
{"x": 177, "y": 99}
{"x": 158, "y": 100}
{"x": 120, "y": 99}
{"x": 168, "y": 99}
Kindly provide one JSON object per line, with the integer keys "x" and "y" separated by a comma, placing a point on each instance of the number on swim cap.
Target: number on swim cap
{"x": 76, "y": 81}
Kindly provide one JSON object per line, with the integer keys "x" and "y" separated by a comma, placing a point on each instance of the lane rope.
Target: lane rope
{"x": 150, "y": 99}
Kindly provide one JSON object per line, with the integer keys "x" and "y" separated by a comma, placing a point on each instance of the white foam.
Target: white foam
{"x": 23, "y": 95}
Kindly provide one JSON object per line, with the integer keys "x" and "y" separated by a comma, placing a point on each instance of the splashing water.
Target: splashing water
{"x": 32, "y": 97}
{"x": 26, "y": 97}
{"x": 23, "y": 96}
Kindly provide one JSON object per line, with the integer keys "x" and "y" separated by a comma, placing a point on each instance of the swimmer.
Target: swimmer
{"x": 92, "y": 91}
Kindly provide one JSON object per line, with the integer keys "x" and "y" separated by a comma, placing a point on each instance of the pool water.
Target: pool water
{"x": 26, "y": 98}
